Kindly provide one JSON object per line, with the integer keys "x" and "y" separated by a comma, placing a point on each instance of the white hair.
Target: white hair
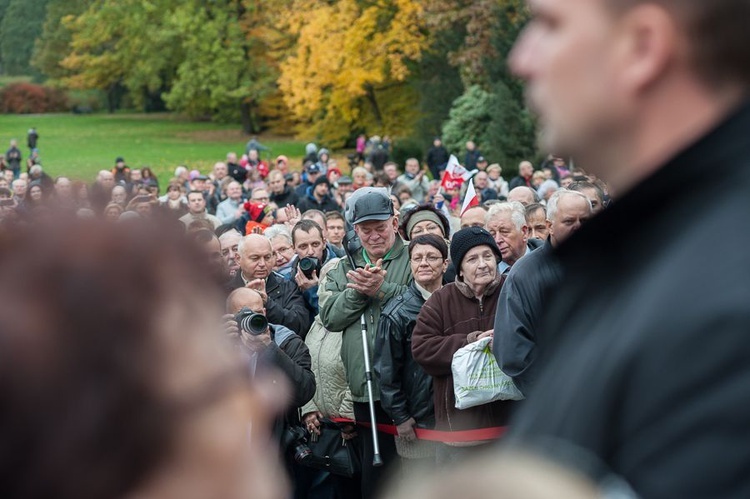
{"x": 555, "y": 199}
{"x": 515, "y": 209}
{"x": 276, "y": 231}
{"x": 180, "y": 170}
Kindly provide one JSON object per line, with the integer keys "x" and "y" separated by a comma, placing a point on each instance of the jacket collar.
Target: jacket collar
{"x": 708, "y": 165}
{"x": 465, "y": 290}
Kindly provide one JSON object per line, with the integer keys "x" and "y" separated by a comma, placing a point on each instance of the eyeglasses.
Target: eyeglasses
{"x": 430, "y": 259}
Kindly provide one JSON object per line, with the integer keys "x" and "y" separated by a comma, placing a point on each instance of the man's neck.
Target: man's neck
{"x": 666, "y": 126}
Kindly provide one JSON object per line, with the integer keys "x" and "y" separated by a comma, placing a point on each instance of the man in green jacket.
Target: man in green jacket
{"x": 345, "y": 294}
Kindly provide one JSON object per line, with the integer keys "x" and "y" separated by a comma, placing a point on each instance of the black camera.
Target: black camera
{"x": 294, "y": 439}
{"x": 250, "y": 322}
{"x": 308, "y": 265}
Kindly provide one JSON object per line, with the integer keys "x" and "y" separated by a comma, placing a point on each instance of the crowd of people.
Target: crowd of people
{"x": 423, "y": 279}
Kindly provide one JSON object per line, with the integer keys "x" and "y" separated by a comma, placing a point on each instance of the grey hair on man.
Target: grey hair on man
{"x": 514, "y": 208}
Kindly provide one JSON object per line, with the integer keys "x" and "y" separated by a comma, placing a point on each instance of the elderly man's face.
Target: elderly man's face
{"x": 569, "y": 55}
{"x": 229, "y": 242}
{"x": 377, "y": 236}
{"x": 572, "y": 211}
{"x": 510, "y": 240}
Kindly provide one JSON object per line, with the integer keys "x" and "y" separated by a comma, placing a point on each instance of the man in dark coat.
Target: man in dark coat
{"x": 283, "y": 300}
{"x": 318, "y": 197}
{"x": 648, "y": 368}
{"x": 526, "y": 291}
{"x": 437, "y": 158}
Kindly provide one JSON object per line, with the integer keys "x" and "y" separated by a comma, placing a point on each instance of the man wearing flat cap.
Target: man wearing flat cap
{"x": 345, "y": 294}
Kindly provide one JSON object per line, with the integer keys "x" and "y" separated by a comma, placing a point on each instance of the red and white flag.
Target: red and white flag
{"x": 455, "y": 175}
{"x": 471, "y": 198}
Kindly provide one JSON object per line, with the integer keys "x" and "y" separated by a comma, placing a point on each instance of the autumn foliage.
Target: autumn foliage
{"x": 28, "y": 98}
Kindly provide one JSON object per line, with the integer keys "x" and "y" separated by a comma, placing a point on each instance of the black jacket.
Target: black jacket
{"x": 310, "y": 203}
{"x": 285, "y": 306}
{"x": 285, "y": 198}
{"x": 405, "y": 389}
{"x": 649, "y": 360}
{"x": 520, "y": 308}
{"x": 437, "y": 157}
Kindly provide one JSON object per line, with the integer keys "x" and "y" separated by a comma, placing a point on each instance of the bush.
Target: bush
{"x": 404, "y": 149}
{"x": 28, "y": 98}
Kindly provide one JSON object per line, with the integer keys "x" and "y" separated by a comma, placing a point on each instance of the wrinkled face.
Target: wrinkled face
{"x": 335, "y": 231}
{"x": 119, "y": 195}
{"x": 19, "y": 187}
{"x": 309, "y": 244}
{"x": 426, "y": 227}
{"x": 567, "y": 55}
{"x": 282, "y": 250}
{"x": 261, "y": 196}
{"x": 276, "y": 184}
{"x": 510, "y": 240}
{"x": 377, "y": 236}
{"x": 107, "y": 180}
{"x": 229, "y": 242}
{"x": 234, "y": 191}
{"x": 572, "y": 211}
{"x": 537, "y": 222}
{"x": 479, "y": 266}
{"x": 257, "y": 260}
{"x": 473, "y": 217}
{"x": 427, "y": 265}
{"x": 196, "y": 203}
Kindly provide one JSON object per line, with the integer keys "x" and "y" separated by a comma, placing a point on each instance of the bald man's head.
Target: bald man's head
{"x": 255, "y": 256}
{"x": 245, "y": 297}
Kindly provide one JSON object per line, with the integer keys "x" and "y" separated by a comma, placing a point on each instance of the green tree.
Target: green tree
{"x": 21, "y": 25}
{"x": 54, "y": 43}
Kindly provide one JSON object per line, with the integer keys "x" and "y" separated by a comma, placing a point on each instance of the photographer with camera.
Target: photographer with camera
{"x": 282, "y": 299}
{"x": 311, "y": 254}
{"x": 276, "y": 351}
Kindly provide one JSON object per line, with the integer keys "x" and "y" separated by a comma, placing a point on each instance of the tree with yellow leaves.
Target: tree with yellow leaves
{"x": 350, "y": 67}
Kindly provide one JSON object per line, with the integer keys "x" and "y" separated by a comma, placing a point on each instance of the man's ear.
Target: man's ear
{"x": 525, "y": 232}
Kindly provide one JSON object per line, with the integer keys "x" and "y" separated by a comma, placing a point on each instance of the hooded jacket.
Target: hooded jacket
{"x": 310, "y": 203}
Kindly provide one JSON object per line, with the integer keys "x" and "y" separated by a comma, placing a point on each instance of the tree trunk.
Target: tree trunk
{"x": 374, "y": 103}
{"x": 246, "y": 118}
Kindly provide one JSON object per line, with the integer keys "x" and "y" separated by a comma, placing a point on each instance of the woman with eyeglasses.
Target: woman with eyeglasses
{"x": 456, "y": 315}
{"x": 405, "y": 389}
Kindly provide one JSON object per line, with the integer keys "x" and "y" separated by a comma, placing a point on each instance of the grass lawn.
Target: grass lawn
{"x": 81, "y": 145}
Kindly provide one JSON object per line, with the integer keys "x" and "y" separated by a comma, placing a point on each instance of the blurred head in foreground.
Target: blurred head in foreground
{"x": 114, "y": 378}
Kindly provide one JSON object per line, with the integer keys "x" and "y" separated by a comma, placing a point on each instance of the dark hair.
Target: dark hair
{"x": 202, "y": 236}
{"x": 436, "y": 242}
{"x": 306, "y": 225}
{"x": 194, "y": 192}
{"x": 581, "y": 185}
{"x": 84, "y": 351}
{"x": 424, "y": 207}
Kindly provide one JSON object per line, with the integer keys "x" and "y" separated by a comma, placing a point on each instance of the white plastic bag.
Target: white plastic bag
{"x": 477, "y": 379}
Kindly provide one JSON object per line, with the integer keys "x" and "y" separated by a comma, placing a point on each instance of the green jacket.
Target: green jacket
{"x": 341, "y": 308}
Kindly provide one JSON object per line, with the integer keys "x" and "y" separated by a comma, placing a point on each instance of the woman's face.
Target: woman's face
{"x": 282, "y": 250}
{"x": 426, "y": 227}
{"x": 396, "y": 202}
{"x": 479, "y": 266}
{"x": 427, "y": 264}
{"x": 174, "y": 193}
{"x": 359, "y": 178}
{"x": 35, "y": 193}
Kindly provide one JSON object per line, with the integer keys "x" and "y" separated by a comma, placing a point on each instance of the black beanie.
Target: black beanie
{"x": 321, "y": 180}
{"x": 468, "y": 238}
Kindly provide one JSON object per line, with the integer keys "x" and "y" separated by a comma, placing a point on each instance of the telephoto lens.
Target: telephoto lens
{"x": 250, "y": 322}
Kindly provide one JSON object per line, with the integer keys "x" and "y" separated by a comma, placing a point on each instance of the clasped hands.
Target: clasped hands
{"x": 367, "y": 280}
